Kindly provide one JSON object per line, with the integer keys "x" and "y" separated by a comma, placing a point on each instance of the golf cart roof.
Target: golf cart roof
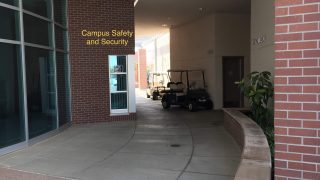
{"x": 184, "y": 70}
{"x": 158, "y": 73}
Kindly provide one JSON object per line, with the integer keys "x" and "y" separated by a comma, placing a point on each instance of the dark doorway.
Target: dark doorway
{"x": 232, "y": 71}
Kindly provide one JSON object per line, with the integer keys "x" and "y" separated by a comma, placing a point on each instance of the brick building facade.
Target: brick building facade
{"x": 141, "y": 69}
{"x": 89, "y": 64}
{"x": 297, "y": 90}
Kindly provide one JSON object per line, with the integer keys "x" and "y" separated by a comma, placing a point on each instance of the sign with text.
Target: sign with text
{"x": 107, "y": 38}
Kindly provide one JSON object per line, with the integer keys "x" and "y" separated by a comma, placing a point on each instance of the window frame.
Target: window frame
{"x": 118, "y": 111}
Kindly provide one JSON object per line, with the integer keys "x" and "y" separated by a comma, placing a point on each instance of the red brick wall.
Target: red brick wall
{"x": 141, "y": 69}
{"x": 89, "y": 64}
{"x": 136, "y": 75}
{"x": 297, "y": 89}
{"x": 142, "y": 64}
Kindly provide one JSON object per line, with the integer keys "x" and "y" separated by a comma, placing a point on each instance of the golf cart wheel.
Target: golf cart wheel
{"x": 165, "y": 105}
{"x": 154, "y": 96}
{"x": 192, "y": 106}
{"x": 148, "y": 96}
{"x": 209, "y": 105}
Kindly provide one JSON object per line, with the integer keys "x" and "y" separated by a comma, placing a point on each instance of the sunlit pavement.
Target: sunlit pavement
{"x": 161, "y": 145}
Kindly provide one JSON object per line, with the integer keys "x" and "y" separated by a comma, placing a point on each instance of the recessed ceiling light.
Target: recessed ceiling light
{"x": 164, "y": 25}
{"x": 200, "y": 9}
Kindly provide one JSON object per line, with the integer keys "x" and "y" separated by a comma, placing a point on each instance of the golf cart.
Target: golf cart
{"x": 187, "y": 88}
{"x": 156, "y": 85}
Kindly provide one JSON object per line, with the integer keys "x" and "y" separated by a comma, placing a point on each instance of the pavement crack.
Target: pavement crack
{"x": 192, "y": 151}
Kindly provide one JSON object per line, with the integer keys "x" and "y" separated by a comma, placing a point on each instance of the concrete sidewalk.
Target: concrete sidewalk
{"x": 162, "y": 145}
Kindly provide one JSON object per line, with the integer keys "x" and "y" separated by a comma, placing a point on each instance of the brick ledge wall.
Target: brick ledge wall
{"x": 255, "y": 161}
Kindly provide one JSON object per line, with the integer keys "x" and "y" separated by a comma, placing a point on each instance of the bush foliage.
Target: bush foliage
{"x": 259, "y": 90}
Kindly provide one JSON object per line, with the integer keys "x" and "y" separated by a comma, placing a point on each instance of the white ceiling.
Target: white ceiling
{"x": 151, "y": 15}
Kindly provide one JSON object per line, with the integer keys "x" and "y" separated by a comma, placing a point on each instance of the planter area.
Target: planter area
{"x": 255, "y": 159}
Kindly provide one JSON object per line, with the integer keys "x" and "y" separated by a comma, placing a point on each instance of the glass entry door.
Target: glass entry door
{"x": 118, "y": 84}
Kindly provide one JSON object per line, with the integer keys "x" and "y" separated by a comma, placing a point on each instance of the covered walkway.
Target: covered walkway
{"x": 161, "y": 145}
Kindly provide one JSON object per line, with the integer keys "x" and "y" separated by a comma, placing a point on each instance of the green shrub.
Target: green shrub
{"x": 259, "y": 90}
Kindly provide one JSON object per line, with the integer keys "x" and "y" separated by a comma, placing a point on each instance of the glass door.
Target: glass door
{"x": 118, "y": 84}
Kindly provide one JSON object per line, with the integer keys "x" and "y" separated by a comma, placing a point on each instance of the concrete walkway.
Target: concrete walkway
{"x": 162, "y": 145}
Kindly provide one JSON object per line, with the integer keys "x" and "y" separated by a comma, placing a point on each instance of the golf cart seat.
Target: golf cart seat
{"x": 180, "y": 86}
{"x": 180, "y": 89}
{"x": 174, "y": 87}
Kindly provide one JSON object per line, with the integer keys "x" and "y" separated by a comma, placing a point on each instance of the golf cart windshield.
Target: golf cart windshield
{"x": 158, "y": 79}
{"x": 194, "y": 79}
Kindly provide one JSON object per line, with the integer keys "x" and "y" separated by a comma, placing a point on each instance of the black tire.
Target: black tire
{"x": 192, "y": 106}
{"x": 209, "y": 105}
{"x": 165, "y": 105}
{"x": 148, "y": 96}
{"x": 154, "y": 96}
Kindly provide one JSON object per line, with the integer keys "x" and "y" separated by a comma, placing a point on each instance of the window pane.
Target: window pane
{"x": 9, "y": 20}
{"x": 61, "y": 38}
{"x": 11, "y": 2}
{"x": 63, "y": 86}
{"x": 41, "y": 97}
{"x": 119, "y": 101}
{"x": 11, "y": 97}
{"x": 41, "y": 7}
{"x": 118, "y": 82}
{"x": 117, "y": 64}
{"x": 60, "y": 11}
{"x": 36, "y": 30}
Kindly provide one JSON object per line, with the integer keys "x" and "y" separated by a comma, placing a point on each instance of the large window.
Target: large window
{"x": 41, "y": 91}
{"x": 40, "y": 7}
{"x": 118, "y": 84}
{"x": 10, "y": 2}
{"x": 11, "y": 98}
{"x": 61, "y": 38}
{"x": 60, "y": 14}
{"x": 34, "y": 70}
{"x": 9, "y": 20}
{"x": 37, "y": 31}
{"x": 63, "y": 85}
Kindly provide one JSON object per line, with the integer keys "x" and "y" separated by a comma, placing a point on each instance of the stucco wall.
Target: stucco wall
{"x": 232, "y": 38}
{"x": 202, "y": 43}
{"x": 191, "y": 47}
{"x": 262, "y": 29}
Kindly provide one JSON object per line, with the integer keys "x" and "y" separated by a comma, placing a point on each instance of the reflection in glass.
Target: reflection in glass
{"x": 61, "y": 38}
{"x": 41, "y": 94}
{"x": 118, "y": 82}
{"x": 60, "y": 11}
{"x": 119, "y": 101}
{"x": 40, "y": 7}
{"x": 118, "y": 64}
{"x": 63, "y": 86}
{"x": 11, "y": 97}
{"x": 36, "y": 30}
{"x": 9, "y": 20}
{"x": 10, "y": 2}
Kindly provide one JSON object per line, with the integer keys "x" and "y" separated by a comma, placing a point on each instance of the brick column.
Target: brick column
{"x": 297, "y": 89}
{"x": 142, "y": 69}
{"x": 89, "y": 64}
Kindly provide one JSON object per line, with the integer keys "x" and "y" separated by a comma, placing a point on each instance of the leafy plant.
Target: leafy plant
{"x": 258, "y": 88}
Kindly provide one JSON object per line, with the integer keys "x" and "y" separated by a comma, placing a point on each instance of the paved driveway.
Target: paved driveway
{"x": 161, "y": 145}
